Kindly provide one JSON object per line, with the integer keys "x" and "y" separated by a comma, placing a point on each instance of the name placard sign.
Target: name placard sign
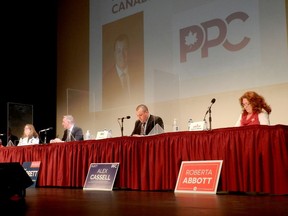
{"x": 103, "y": 134}
{"x": 32, "y": 169}
{"x": 199, "y": 176}
{"x": 101, "y": 176}
{"x": 197, "y": 126}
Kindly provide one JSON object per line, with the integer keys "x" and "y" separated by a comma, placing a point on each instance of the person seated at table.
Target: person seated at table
{"x": 12, "y": 140}
{"x": 29, "y": 137}
{"x": 146, "y": 121}
{"x": 11, "y": 137}
{"x": 255, "y": 110}
{"x": 71, "y": 133}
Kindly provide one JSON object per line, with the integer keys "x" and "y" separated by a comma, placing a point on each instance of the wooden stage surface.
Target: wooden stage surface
{"x": 69, "y": 201}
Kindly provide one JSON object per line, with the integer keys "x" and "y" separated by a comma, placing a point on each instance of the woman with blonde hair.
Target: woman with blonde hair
{"x": 255, "y": 110}
{"x": 29, "y": 137}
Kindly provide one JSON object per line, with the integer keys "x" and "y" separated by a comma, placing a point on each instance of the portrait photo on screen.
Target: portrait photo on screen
{"x": 123, "y": 62}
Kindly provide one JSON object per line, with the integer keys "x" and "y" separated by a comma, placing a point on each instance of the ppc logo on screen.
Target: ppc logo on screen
{"x": 199, "y": 37}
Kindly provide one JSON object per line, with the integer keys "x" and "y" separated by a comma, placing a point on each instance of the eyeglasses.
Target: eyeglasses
{"x": 244, "y": 105}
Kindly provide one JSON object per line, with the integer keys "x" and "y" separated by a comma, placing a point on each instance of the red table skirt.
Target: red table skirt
{"x": 255, "y": 158}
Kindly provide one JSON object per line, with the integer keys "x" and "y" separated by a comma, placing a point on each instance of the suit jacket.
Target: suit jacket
{"x": 152, "y": 121}
{"x": 76, "y": 134}
{"x": 113, "y": 94}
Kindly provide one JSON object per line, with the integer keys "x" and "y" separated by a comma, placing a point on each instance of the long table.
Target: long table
{"x": 255, "y": 158}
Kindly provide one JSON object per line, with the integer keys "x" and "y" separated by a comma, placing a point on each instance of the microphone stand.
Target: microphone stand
{"x": 122, "y": 128}
{"x": 210, "y": 118}
{"x": 121, "y": 124}
{"x": 209, "y": 110}
{"x": 45, "y": 137}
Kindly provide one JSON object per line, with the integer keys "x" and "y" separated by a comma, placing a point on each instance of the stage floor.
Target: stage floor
{"x": 67, "y": 201}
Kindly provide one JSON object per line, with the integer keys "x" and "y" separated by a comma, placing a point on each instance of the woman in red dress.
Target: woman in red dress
{"x": 255, "y": 110}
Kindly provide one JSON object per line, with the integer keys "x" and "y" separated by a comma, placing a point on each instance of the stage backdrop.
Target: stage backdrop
{"x": 183, "y": 53}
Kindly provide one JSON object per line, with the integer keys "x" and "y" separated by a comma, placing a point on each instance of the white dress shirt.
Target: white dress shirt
{"x": 32, "y": 141}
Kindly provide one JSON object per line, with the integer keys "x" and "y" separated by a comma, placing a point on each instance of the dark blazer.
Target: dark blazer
{"x": 114, "y": 96}
{"x": 77, "y": 134}
{"x": 152, "y": 121}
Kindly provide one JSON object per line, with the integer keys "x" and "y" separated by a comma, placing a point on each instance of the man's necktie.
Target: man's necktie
{"x": 142, "y": 129}
{"x": 125, "y": 83}
{"x": 68, "y": 135}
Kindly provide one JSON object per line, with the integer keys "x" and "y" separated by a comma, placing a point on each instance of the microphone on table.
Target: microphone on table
{"x": 209, "y": 111}
{"x": 126, "y": 117}
{"x": 209, "y": 108}
{"x": 121, "y": 124}
{"x": 50, "y": 128}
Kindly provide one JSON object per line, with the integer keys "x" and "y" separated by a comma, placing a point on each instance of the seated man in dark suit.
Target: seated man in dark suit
{"x": 146, "y": 121}
{"x": 71, "y": 133}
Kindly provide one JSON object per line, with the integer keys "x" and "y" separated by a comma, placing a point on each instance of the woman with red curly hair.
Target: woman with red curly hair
{"x": 255, "y": 110}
